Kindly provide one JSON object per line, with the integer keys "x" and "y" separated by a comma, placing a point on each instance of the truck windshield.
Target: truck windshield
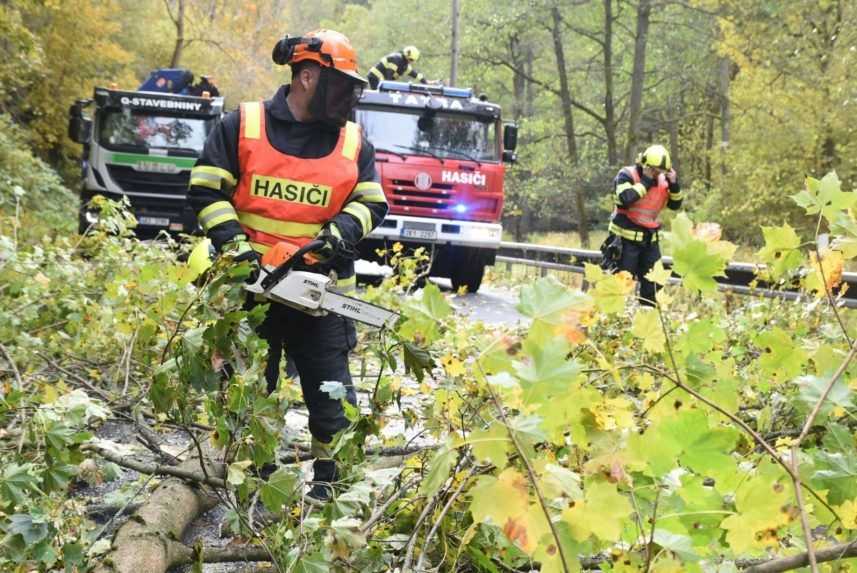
{"x": 131, "y": 129}
{"x": 448, "y": 135}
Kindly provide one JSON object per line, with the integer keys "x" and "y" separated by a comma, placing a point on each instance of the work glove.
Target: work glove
{"x": 241, "y": 251}
{"x": 333, "y": 247}
{"x": 672, "y": 180}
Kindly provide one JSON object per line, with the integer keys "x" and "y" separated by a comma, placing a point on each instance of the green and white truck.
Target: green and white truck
{"x": 142, "y": 145}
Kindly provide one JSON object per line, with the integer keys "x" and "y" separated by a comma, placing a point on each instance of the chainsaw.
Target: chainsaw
{"x": 310, "y": 292}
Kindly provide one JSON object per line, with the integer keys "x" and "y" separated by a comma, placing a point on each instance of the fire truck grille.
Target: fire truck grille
{"x": 440, "y": 196}
{"x": 168, "y": 183}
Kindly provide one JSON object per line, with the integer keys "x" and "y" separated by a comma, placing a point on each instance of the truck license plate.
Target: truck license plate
{"x": 419, "y": 234}
{"x": 154, "y": 221}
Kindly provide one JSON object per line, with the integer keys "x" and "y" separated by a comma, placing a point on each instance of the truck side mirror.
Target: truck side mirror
{"x": 510, "y": 137}
{"x": 79, "y": 126}
{"x": 510, "y": 156}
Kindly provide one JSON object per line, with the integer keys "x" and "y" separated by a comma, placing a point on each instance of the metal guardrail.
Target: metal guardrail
{"x": 740, "y": 277}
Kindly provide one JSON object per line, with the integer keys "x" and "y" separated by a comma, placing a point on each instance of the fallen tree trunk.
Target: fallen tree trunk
{"x": 146, "y": 542}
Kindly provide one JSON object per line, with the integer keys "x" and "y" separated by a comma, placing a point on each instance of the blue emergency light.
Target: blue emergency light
{"x": 390, "y": 86}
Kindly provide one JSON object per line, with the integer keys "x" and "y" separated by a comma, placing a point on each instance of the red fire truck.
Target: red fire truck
{"x": 440, "y": 153}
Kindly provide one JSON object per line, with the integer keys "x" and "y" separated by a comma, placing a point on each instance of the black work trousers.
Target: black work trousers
{"x": 318, "y": 347}
{"x": 638, "y": 258}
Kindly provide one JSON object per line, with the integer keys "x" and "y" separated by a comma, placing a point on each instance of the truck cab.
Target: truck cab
{"x": 440, "y": 155}
{"x": 142, "y": 145}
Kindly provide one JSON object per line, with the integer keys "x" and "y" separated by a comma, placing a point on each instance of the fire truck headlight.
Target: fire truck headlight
{"x": 460, "y": 208}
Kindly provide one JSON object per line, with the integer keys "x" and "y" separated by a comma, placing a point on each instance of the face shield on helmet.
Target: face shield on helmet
{"x": 336, "y": 95}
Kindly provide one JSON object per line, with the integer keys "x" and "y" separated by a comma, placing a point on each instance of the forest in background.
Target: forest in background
{"x": 749, "y": 95}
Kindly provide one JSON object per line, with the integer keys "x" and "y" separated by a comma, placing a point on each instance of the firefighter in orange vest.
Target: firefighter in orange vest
{"x": 642, "y": 191}
{"x": 293, "y": 168}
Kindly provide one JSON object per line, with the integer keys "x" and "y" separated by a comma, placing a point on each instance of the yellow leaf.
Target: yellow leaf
{"x": 49, "y": 394}
{"x": 496, "y": 500}
{"x": 603, "y": 513}
{"x": 42, "y": 279}
{"x": 647, "y": 326}
{"x": 659, "y": 274}
{"x": 848, "y": 512}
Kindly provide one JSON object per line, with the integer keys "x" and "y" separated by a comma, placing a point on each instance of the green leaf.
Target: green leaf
{"x": 647, "y": 326}
{"x": 279, "y": 490}
{"x": 417, "y": 360}
{"x": 781, "y": 252}
{"x": 439, "y": 468}
{"x": 492, "y": 444}
{"x": 602, "y": 513}
{"x": 781, "y": 358}
{"x": 548, "y": 300}
{"x": 16, "y": 482}
{"x": 825, "y": 197}
{"x": 32, "y": 530}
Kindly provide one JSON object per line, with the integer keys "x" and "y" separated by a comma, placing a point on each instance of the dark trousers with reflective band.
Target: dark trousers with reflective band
{"x": 638, "y": 258}
{"x": 318, "y": 347}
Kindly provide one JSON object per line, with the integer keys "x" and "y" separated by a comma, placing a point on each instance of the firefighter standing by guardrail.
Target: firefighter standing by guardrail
{"x": 395, "y": 65}
{"x": 641, "y": 191}
{"x": 294, "y": 169}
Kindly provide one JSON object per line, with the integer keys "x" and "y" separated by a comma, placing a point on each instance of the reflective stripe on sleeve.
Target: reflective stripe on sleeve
{"x": 252, "y": 119}
{"x": 377, "y": 73}
{"x": 389, "y": 65}
{"x": 361, "y": 213}
{"x": 368, "y": 192}
{"x": 215, "y": 214}
{"x": 676, "y": 196}
{"x": 211, "y": 177}
{"x": 334, "y": 230}
{"x": 638, "y": 187}
{"x": 276, "y": 227}
{"x": 352, "y": 139}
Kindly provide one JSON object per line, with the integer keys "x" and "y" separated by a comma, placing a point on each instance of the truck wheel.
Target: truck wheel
{"x": 468, "y": 275}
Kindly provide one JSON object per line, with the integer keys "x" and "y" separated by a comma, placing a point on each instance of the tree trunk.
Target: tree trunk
{"x": 453, "y": 70}
{"x": 725, "y": 111}
{"x": 609, "y": 109}
{"x": 146, "y": 542}
{"x": 180, "y": 41}
{"x": 638, "y": 74}
{"x": 673, "y": 117}
{"x": 568, "y": 117}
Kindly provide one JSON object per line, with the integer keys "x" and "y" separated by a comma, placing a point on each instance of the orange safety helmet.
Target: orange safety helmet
{"x": 328, "y": 48}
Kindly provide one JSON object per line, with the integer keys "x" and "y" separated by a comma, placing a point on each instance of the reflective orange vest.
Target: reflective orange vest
{"x": 644, "y": 212}
{"x": 281, "y": 197}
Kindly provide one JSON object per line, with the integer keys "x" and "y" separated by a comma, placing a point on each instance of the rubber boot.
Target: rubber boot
{"x": 324, "y": 475}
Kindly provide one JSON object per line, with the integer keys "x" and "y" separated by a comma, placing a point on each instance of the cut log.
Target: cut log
{"x": 147, "y": 542}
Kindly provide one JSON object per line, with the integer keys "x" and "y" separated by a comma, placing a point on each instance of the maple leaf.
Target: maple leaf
{"x": 781, "y": 252}
{"x": 827, "y": 272}
{"x": 611, "y": 290}
{"x": 848, "y": 512}
{"x": 491, "y": 444}
{"x": 602, "y": 513}
{"x": 825, "y": 197}
{"x": 781, "y": 358}
{"x": 658, "y": 274}
{"x": 647, "y": 326}
{"x": 695, "y": 260}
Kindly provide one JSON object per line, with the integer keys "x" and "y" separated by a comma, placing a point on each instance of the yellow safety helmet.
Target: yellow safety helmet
{"x": 411, "y": 53}
{"x": 201, "y": 257}
{"x": 655, "y": 156}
